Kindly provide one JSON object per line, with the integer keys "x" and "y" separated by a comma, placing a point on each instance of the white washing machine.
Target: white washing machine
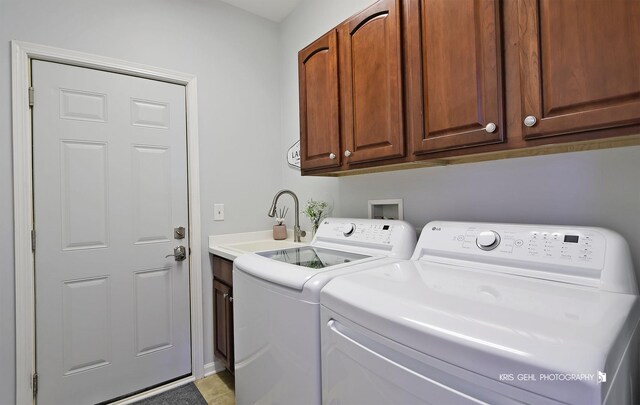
{"x": 277, "y": 310}
{"x": 487, "y": 313}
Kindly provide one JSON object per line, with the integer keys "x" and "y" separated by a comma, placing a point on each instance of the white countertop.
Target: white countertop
{"x": 233, "y": 245}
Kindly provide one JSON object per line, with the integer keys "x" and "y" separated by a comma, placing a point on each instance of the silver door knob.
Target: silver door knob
{"x": 347, "y": 153}
{"x": 530, "y": 121}
{"x": 491, "y": 127}
{"x": 332, "y": 156}
{"x": 179, "y": 252}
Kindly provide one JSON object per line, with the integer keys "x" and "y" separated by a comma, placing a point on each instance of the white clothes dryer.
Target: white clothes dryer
{"x": 277, "y": 310}
{"x": 487, "y": 313}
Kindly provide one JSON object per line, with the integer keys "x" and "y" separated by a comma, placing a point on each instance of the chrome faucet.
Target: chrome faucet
{"x": 297, "y": 233}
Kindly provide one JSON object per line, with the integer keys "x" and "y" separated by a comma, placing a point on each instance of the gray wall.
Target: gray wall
{"x": 599, "y": 188}
{"x": 235, "y": 57}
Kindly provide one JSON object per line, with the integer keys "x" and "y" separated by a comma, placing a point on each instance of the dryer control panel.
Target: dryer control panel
{"x": 571, "y": 254}
{"x": 580, "y": 247}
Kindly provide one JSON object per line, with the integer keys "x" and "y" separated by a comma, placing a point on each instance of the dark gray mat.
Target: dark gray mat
{"x": 185, "y": 395}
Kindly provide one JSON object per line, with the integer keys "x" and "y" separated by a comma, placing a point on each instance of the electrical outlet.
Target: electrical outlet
{"x": 218, "y": 212}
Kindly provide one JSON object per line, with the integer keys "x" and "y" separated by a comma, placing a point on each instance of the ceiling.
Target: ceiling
{"x": 274, "y": 10}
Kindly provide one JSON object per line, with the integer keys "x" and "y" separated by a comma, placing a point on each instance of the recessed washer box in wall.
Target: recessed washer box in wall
{"x": 386, "y": 209}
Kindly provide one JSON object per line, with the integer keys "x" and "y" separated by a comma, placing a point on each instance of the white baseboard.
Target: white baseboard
{"x": 209, "y": 369}
{"x": 213, "y": 368}
{"x": 154, "y": 391}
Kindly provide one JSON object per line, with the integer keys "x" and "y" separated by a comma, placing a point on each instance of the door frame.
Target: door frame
{"x": 22, "y": 53}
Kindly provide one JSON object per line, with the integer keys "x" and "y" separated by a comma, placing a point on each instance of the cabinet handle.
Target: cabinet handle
{"x": 332, "y": 156}
{"x": 231, "y": 298}
{"x": 491, "y": 127}
{"x": 347, "y": 153}
{"x": 224, "y": 296}
{"x": 530, "y": 121}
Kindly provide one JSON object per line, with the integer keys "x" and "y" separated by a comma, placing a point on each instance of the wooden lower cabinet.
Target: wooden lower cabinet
{"x": 223, "y": 311}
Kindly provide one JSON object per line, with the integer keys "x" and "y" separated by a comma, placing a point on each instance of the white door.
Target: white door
{"x": 110, "y": 186}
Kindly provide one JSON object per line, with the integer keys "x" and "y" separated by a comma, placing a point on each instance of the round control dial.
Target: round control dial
{"x": 488, "y": 240}
{"x": 348, "y": 229}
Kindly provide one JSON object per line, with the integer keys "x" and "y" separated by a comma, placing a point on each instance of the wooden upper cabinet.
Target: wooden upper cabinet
{"x": 371, "y": 83}
{"x": 410, "y": 80}
{"x": 455, "y": 74}
{"x": 319, "y": 109}
{"x": 579, "y": 65}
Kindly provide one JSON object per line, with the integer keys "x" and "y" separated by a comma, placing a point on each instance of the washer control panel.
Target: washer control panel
{"x": 359, "y": 231}
{"x": 576, "y": 247}
{"x": 379, "y": 237}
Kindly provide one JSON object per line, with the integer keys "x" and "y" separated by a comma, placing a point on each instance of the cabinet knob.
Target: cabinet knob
{"x": 491, "y": 127}
{"x": 530, "y": 121}
{"x": 332, "y": 156}
{"x": 347, "y": 153}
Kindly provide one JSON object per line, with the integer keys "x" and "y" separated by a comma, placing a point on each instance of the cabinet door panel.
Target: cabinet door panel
{"x": 319, "y": 122}
{"x": 223, "y": 326}
{"x": 230, "y": 345}
{"x": 222, "y": 270}
{"x": 461, "y": 74}
{"x": 371, "y": 83}
{"x": 579, "y": 64}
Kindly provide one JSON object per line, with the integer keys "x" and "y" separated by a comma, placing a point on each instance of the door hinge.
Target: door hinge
{"x": 33, "y": 240}
{"x": 34, "y": 384}
{"x": 31, "y": 96}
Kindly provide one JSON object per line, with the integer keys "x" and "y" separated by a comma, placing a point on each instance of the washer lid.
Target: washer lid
{"x": 504, "y": 327}
{"x": 312, "y": 257}
{"x": 294, "y": 267}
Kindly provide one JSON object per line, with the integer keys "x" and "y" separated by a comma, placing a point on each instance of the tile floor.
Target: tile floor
{"x": 218, "y": 389}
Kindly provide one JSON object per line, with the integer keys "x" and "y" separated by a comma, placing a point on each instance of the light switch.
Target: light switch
{"x": 218, "y": 212}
